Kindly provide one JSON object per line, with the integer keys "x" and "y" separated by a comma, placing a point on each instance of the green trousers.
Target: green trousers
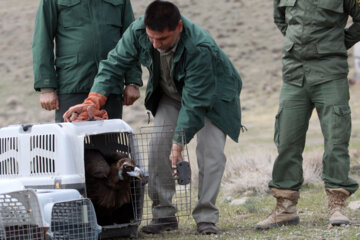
{"x": 331, "y": 101}
{"x": 113, "y": 105}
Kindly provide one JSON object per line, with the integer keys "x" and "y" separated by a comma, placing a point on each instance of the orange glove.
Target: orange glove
{"x": 88, "y": 110}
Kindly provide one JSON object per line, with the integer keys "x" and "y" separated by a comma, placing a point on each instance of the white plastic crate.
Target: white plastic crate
{"x": 47, "y": 214}
{"x": 51, "y": 155}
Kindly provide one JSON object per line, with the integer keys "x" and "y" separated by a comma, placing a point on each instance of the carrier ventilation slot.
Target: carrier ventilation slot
{"x": 46, "y": 142}
{"x": 7, "y": 144}
{"x": 40, "y": 165}
{"x": 9, "y": 167}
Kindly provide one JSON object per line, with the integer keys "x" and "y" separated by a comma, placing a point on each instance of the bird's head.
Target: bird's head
{"x": 127, "y": 167}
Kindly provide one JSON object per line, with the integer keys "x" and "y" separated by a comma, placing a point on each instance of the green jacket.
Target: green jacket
{"x": 316, "y": 39}
{"x": 203, "y": 75}
{"x": 84, "y": 32}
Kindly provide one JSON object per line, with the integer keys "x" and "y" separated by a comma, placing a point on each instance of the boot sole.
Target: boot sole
{"x": 339, "y": 223}
{"x": 291, "y": 222}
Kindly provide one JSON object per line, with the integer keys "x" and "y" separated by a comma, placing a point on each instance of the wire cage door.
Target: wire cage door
{"x": 20, "y": 217}
{"x": 166, "y": 195}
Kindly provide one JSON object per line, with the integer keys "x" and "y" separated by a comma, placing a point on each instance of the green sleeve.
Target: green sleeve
{"x": 198, "y": 94}
{"x": 43, "y": 45}
{"x": 352, "y": 34}
{"x": 118, "y": 62}
{"x": 133, "y": 76}
{"x": 279, "y": 17}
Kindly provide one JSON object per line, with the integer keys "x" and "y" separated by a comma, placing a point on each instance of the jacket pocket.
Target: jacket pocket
{"x": 277, "y": 128}
{"x": 341, "y": 124}
{"x": 288, "y": 44}
{"x": 287, "y": 3}
{"x": 68, "y": 3}
{"x": 115, "y": 2}
{"x": 230, "y": 89}
{"x": 331, "y": 5}
{"x": 72, "y": 13}
{"x": 331, "y": 48}
{"x": 113, "y": 12}
{"x": 329, "y": 13}
{"x": 65, "y": 62}
{"x": 289, "y": 6}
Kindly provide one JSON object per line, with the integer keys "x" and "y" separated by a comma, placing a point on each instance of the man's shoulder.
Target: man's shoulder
{"x": 195, "y": 36}
{"x": 138, "y": 24}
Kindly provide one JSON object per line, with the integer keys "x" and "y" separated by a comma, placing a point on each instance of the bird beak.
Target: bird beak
{"x": 136, "y": 173}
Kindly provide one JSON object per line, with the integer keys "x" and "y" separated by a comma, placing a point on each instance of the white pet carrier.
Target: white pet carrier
{"x": 47, "y": 214}
{"x": 51, "y": 155}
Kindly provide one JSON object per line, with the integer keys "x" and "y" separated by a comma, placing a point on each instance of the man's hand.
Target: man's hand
{"x": 175, "y": 154}
{"x": 73, "y": 112}
{"x": 131, "y": 94}
{"x": 49, "y": 101}
{"x": 88, "y": 110}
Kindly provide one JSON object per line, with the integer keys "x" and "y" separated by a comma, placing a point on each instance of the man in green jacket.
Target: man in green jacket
{"x": 315, "y": 72}
{"x": 84, "y": 32}
{"x": 193, "y": 87}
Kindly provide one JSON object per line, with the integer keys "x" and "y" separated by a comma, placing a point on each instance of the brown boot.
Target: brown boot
{"x": 336, "y": 206}
{"x": 284, "y": 212}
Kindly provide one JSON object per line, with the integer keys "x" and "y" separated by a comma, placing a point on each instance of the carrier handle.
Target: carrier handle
{"x": 26, "y": 127}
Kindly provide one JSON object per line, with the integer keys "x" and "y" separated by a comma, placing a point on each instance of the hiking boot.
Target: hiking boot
{"x": 207, "y": 228}
{"x": 284, "y": 212}
{"x": 336, "y": 205}
{"x": 159, "y": 225}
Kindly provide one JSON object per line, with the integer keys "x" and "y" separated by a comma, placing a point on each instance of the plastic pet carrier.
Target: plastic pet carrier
{"x": 52, "y": 156}
{"x": 47, "y": 214}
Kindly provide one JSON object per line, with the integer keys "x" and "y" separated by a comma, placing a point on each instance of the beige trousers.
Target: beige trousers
{"x": 210, "y": 158}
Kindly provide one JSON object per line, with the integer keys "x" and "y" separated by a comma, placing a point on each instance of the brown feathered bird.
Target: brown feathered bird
{"x": 108, "y": 180}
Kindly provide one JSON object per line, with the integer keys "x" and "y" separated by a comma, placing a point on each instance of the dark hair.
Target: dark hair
{"x": 160, "y": 15}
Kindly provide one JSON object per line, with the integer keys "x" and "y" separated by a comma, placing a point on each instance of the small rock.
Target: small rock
{"x": 237, "y": 202}
{"x": 354, "y": 205}
{"x": 229, "y": 199}
{"x": 12, "y": 101}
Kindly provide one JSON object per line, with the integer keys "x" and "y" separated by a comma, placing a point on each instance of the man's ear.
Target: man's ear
{"x": 180, "y": 26}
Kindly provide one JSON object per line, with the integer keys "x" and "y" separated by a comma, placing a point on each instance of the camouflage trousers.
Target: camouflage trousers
{"x": 331, "y": 101}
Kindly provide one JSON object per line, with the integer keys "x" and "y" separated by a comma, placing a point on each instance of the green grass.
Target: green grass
{"x": 238, "y": 222}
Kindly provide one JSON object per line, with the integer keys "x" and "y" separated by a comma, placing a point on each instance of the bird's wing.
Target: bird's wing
{"x": 95, "y": 164}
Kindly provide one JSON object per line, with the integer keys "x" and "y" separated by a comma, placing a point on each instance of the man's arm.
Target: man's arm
{"x": 111, "y": 71}
{"x": 43, "y": 45}
{"x": 132, "y": 77}
{"x": 119, "y": 60}
{"x": 279, "y": 17}
{"x": 43, "y": 54}
{"x": 352, "y": 34}
{"x": 198, "y": 96}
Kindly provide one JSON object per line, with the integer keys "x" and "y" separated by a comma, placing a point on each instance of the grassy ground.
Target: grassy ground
{"x": 237, "y": 222}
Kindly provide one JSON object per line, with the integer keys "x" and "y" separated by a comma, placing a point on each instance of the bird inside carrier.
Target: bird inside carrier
{"x": 167, "y": 190}
{"x": 114, "y": 183}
